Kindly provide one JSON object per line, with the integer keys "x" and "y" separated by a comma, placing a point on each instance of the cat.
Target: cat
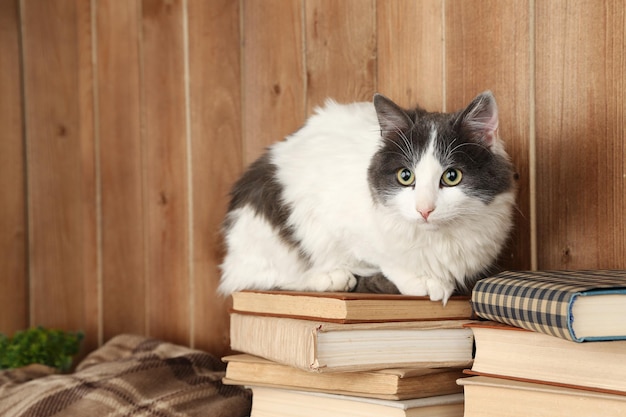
{"x": 369, "y": 188}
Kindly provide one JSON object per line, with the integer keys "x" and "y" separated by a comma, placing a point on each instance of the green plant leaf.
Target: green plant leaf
{"x": 49, "y": 347}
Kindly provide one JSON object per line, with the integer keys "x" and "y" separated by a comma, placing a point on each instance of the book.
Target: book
{"x": 494, "y": 397}
{"x": 348, "y": 307}
{"x": 273, "y": 402}
{"x": 511, "y": 352}
{"x": 327, "y": 347}
{"x": 573, "y": 305}
{"x": 390, "y": 384}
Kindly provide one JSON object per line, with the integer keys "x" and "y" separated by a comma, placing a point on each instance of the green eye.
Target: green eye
{"x": 451, "y": 177}
{"x": 405, "y": 176}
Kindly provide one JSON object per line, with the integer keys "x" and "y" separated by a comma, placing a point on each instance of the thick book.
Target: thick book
{"x": 327, "y": 347}
{"x": 274, "y": 402}
{"x": 389, "y": 384}
{"x": 515, "y": 353}
{"x": 494, "y": 397}
{"x": 573, "y": 305}
{"x": 347, "y": 307}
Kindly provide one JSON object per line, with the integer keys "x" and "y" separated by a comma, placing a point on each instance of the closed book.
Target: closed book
{"x": 495, "y": 397}
{"x": 390, "y": 384}
{"x": 348, "y": 307}
{"x": 516, "y": 353}
{"x": 274, "y": 402}
{"x": 327, "y": 347}
{"x": 573, "y": 305}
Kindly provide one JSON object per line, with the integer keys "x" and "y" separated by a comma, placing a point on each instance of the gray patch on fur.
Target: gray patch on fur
{"x": 260, "y": 189}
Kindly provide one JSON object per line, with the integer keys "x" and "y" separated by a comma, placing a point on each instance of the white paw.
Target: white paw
{"x": 335, "y": 280}
{"x": 434, "y": 288}
{"x": 439, "y": 290}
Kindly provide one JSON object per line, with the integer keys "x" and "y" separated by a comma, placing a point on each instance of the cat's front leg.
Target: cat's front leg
{"x": 410, "y": 284}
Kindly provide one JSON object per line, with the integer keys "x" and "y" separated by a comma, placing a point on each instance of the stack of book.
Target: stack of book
{"x": 554, "y": 345}
{"x": 349, "y": 354}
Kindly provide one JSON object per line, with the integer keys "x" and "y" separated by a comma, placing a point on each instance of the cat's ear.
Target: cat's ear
{"x": 480, "y": 119}
{"x": 391, "y": 117}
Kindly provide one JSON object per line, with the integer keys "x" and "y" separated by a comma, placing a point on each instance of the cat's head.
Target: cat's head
{"x": 436, "y": 169}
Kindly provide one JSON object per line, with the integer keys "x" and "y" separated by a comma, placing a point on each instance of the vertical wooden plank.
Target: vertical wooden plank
{"x": 487, "y": 47}
{"x": 215, "y": 95}
{"x": 164, "y": 141}
{"x": 410, "y": 61}
{"x": 61, "y": 166}
{"x": 119, "y": 137}
{"x": 273, "y": 72}
{"x": 13, "y": 271}
{"x": 340, "y": 51}
{"x": 581, "y": 158}
{"x": 88, "y": 220}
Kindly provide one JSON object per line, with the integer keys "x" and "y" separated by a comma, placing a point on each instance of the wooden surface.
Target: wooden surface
{"x": 216, "y": 155}
{"x": 410, "y": 61}
{"x": 60, "y": 168}
{"x": 13, "y": 226}
{"x": 165, "y": 170}
{"x": 330, "y": 26}
{"x": 581, "y": 157}
{"x": 121, "y": 168}
{"x": 125, "y": 122}
{"x": 273, "y": 78}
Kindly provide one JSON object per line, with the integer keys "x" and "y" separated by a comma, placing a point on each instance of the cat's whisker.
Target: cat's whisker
{"x": 408, "y": 147}
{"x": 407, "y": 150}
{"x": 468, "y": 144}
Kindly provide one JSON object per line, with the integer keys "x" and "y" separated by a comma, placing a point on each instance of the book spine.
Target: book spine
{"x": 511, "y": 302}
{"x": 286, "y": 341}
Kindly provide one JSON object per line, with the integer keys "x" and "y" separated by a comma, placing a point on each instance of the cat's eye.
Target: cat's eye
{"x": 451, "y": 177}
{"x": 405, "y": 176}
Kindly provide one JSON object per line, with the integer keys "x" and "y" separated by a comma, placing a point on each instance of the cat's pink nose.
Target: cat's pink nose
{"x": 426, "y": 212}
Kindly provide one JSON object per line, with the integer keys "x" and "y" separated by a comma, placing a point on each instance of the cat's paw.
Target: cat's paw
{"x": 435, "y": 289}
{"x": 335, "y": 280}
{"x": 439, "y": 290}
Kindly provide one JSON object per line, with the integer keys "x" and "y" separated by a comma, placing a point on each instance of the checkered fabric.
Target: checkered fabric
{"x": 128, "y": 376}
{"x": 540, "y": 301}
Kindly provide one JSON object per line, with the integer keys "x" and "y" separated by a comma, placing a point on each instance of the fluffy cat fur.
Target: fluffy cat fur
{"x": 369, "y": 188}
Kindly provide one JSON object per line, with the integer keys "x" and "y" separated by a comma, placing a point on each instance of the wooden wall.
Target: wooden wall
{"x": 124, "y": 123}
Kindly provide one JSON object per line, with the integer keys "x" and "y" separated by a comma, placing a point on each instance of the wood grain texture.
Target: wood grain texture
{"x": 581, "y": 158}
{"x": 487, "y": 47}
{"x": 273, "y": 73}
{"x": 158, "y": 151}
{"x": 120, "y": 153}
{"x": 13, "y": 270}
{"x": 164, "y": 148}
{"x": 340, "y": 51}
{"x": 410, "y": 52}
{"x": 216, "y": 156}
{"x": 61, "y": 168}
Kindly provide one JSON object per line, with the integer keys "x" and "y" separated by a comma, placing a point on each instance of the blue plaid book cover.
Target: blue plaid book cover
{"x": 542, "y": 301}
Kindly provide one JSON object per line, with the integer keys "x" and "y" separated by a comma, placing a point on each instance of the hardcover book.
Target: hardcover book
{"x": 389, "y": 384}
{"x": 273, "y": 402}
{"x": 326, "y": 347}
{"x": 511, "y": 352}
{"x": 573, "y": 305}
{"x": 494, "y": 397}
{"x": 347, "y": 307}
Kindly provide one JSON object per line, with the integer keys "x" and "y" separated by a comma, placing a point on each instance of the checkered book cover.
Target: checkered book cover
{"x": 541, "y": 301}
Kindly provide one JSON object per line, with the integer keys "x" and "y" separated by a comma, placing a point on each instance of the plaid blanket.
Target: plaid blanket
{"x": 128, "y": 376}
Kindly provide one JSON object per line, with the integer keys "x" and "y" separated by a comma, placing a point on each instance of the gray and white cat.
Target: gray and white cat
{"x": 362, "y": 189}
